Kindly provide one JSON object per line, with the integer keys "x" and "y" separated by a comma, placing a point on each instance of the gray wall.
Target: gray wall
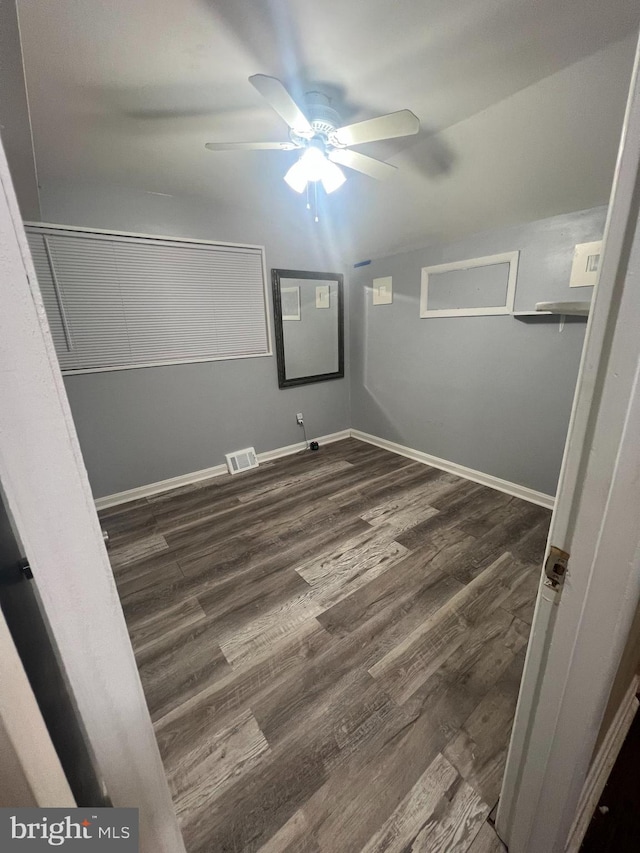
{"x": 491, "y": 393}
{"x": 141, "y": 426}
{"x": 15, "y": 126}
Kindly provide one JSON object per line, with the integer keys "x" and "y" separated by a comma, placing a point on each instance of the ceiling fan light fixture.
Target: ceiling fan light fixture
{"x": 333, "y": 177}
{"x": 296, "y": 177}
{"x": 314, "y": 166}
{"x": 313, "y": 162}
{"x": 326, "y": 146}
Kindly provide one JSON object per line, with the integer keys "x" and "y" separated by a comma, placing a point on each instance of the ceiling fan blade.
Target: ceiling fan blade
{"x": 362, "y": 163}
{"x": 275, "y": 93}
{"x": 250, "y": 146}
{"x": 402, "y": 123}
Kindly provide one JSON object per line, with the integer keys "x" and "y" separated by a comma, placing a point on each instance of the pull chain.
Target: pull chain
{"x": 316, "y": 218}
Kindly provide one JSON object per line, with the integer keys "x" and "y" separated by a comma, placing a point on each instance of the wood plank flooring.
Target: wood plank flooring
{"x": 331, "y": 647}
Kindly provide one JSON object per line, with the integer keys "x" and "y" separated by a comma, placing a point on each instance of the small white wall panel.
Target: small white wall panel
{"x": 586, "y": 264}
{"x": 383, "y": 290}
{"x": 290, "y": 298}
{"x": 322, "y": 296}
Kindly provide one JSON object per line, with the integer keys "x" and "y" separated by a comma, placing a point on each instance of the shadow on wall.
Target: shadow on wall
{"x": 369, "y": 401}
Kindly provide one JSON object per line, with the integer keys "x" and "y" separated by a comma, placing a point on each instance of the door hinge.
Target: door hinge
{"x": 555, "y": 567}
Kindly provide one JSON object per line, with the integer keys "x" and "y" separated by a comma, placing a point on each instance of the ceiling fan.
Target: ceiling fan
{"x": 324, "y": 142}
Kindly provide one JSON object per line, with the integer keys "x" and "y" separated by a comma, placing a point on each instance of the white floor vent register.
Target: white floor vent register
{"x": 241, "y": 460}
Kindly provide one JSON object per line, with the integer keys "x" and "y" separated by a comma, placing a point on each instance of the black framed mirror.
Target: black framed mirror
{"x": 309, "y": 324}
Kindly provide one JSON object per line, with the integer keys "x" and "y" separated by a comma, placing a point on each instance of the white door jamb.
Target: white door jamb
{"x": 47, "y": 491}
{"x": 579, "y": 634}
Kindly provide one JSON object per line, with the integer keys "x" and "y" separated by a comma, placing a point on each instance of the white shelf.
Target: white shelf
{"x": 564, "y": 309}
{"x": 575, "y": 309}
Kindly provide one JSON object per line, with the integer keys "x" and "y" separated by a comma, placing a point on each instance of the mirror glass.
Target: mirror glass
{"x": 308, "y": 310}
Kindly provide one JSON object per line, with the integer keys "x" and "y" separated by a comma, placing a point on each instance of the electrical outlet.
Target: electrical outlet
{"x": 299, "y": 418}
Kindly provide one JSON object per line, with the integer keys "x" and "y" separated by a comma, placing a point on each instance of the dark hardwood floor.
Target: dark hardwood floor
{"x": 331, "y": 647}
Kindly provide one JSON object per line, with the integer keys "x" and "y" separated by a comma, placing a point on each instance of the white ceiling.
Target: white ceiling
{"x": 521, "y": 102}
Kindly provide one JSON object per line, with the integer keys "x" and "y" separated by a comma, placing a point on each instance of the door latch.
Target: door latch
{"x": 555, "y": 567}
{"x": 25, "y": 569}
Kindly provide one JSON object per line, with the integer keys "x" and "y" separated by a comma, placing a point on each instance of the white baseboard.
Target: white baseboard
{"x": 207, "y": 473}
{"x": 289, "y": 449}
{"x": 418, "y": 455}
{"x": 459, "y": 470}
{"x": 601, "y": 767}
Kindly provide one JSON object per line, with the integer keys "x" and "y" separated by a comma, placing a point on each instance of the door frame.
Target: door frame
{"x": 580, "y": 632}
{"x": 48, "y": 495}
{"x": 30, "y": 770}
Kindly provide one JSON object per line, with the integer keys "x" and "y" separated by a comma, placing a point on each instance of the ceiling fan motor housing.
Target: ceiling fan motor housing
{"x": 323, "y": 119}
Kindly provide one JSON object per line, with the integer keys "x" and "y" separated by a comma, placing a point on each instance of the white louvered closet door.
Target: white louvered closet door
{"x": 117, "y": 301}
